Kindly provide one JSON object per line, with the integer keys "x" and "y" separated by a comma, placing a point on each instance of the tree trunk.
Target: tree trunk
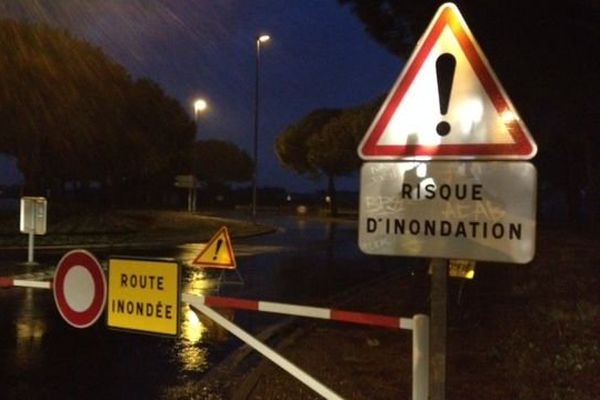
{"x": 333, "y": 204}
{"x": 575, "y": 174}
{"x": 593, "y": 183}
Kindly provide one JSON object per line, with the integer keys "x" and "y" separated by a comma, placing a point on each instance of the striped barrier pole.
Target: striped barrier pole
{"x": 198, "y": 303}
{"x": 419, "y": 325}
{"x": 10, "y": 282}
{"x": 384, "y": 321}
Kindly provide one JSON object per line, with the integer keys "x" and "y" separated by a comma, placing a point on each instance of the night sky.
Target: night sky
{"x": 319, "y": 56}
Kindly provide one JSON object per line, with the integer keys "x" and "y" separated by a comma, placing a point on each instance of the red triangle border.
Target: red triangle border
{"x": 523, "y": 147}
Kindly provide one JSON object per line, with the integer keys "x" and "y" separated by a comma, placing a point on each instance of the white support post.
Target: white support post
{"x": 420, "y": 365}
{"x": 266, "y": 351}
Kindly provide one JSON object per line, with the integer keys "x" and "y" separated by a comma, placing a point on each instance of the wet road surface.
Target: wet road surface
{"x": 41, "y": 356}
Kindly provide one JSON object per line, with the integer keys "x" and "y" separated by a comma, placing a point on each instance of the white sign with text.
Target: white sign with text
{"x": 473, "y": 210}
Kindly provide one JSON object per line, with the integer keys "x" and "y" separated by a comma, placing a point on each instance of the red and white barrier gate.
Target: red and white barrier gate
{"x": 309, "y": 312}
{"x": 10, "y": 282}
{"x": 419, "y": 324}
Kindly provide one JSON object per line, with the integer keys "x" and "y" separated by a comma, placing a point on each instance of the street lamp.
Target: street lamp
{"x": 259, "y": 39}
{"x": 200, "y": 105}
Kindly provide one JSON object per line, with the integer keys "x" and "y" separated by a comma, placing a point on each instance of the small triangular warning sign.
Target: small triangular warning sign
{"x": 218, "y": 252}
{"x": 447, "y": 103}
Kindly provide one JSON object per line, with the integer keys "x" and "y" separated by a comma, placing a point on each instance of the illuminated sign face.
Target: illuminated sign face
{"x": 144, "y": 295}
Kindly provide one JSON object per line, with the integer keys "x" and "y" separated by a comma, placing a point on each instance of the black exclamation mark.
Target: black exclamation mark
{"x": 444, "y": 66}
{"x": 219, "y": 242}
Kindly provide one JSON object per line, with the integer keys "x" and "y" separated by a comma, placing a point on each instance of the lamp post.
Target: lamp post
{"x": 200, "y": 106}
{"x": 259, "y": 39}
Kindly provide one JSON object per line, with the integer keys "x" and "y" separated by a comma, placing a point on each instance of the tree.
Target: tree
{"x": 324, "y": 143}
{"x": 218, "y": 161}
{"x": 59, "y": 94}
{"x": 155, "y": 148}
{"x": 333, "y": 150}
{"x": 291, "y": 145}
{"x": 70, "y": 113}
{"x": 544, "y": 53}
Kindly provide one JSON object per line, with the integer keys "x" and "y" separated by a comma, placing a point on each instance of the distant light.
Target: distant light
{"x": 200, "y": 105}
{"x": 264, "y": 38}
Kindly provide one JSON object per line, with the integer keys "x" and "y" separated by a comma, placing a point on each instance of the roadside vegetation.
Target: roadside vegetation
{"x": 531, "y": 332}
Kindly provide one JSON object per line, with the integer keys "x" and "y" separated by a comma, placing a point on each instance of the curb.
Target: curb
{"x": 137, "y": 244}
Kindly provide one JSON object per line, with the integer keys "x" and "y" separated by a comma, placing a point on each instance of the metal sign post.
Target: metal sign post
{"x": 30, "y": 246}
{"x": 192, "y": 184}
{"x": 33, "y": 221}
{"x": 439, "y": 317}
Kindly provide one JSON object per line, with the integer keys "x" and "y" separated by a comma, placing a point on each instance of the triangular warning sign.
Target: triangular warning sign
{"x": 218, "y": 252}
{"x": 447, "y": 103}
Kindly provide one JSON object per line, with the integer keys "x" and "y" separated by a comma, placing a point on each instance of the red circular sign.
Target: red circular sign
{"x": 79, "y": 288}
